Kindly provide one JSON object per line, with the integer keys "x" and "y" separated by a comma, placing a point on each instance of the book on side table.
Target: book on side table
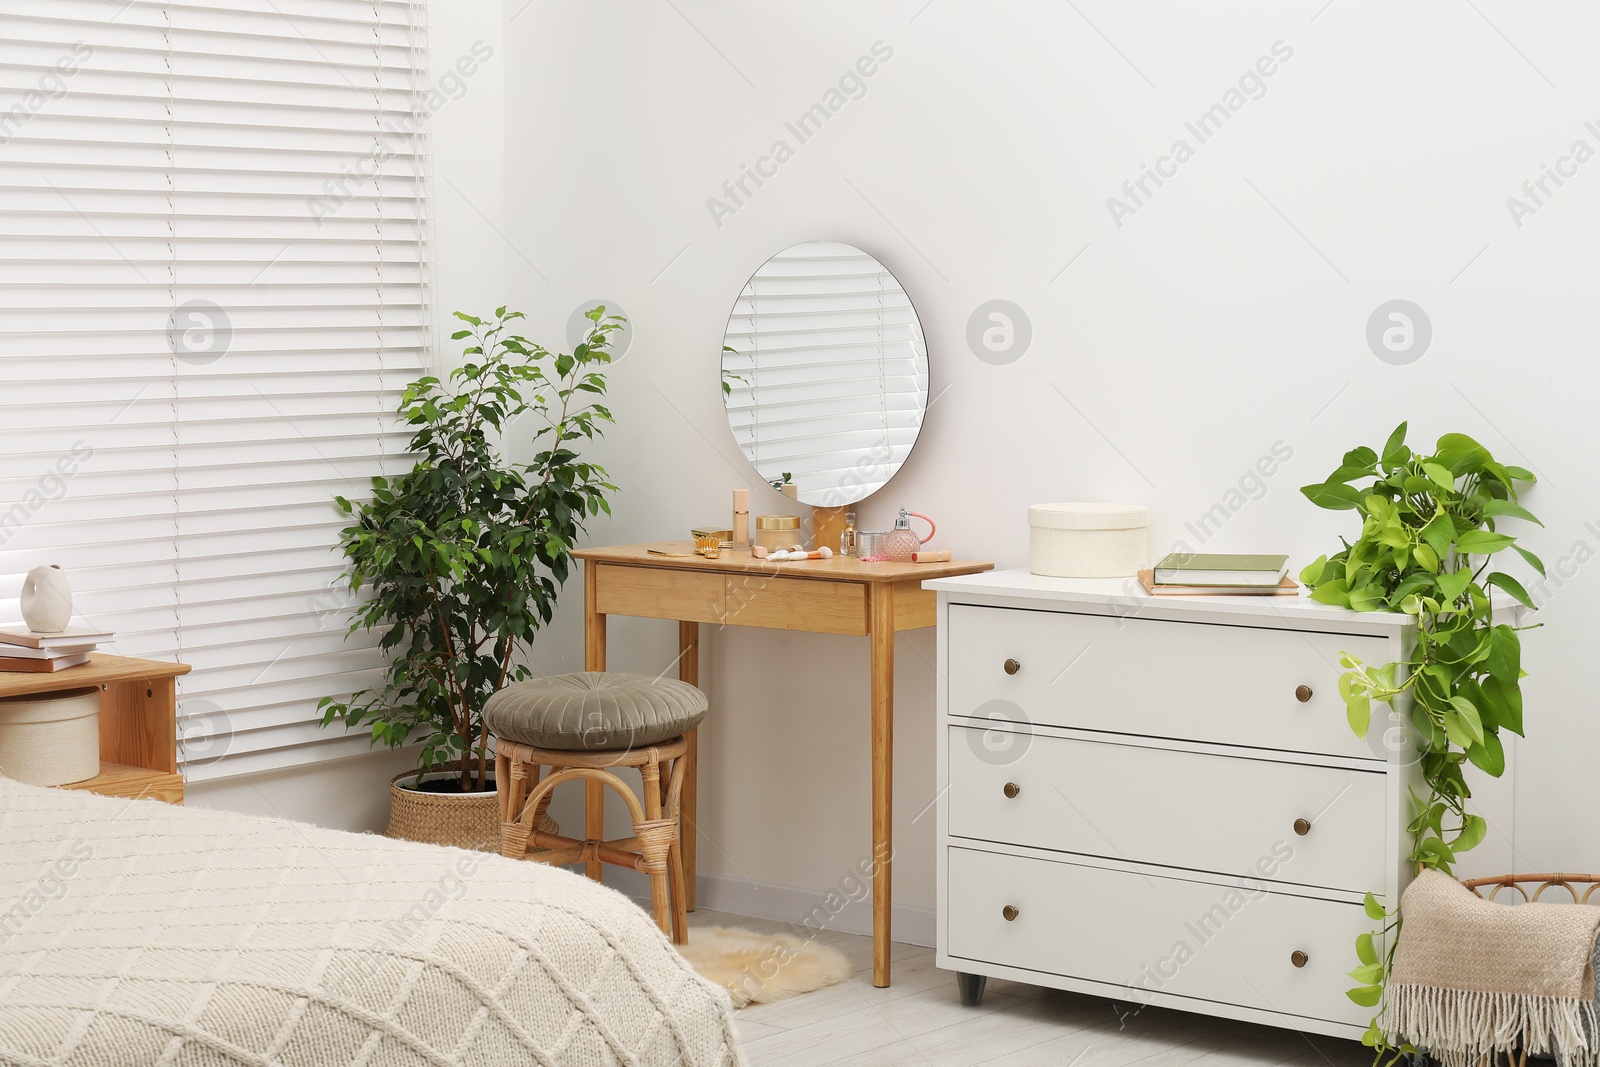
{"x": 1221, "y": 569}
{"x": 1219, "y": 574}
{"x": 1286, "y": 587}
{"x": 43, "y": 664}
{"x": 28, "y": 652}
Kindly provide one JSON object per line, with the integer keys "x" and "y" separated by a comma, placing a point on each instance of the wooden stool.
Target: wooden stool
{"x": 526, "y": 777}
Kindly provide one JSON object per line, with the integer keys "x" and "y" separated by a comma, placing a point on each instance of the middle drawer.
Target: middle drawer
{"x": 1285, "y": 822}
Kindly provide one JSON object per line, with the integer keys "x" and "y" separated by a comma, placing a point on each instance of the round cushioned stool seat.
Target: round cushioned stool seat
{"x": 594, "y": 711}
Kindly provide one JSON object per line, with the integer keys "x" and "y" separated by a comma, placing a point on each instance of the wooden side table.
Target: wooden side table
{"x": 138, "y": 722}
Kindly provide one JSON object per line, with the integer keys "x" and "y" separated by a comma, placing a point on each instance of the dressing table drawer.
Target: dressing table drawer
{"x": 693, "y": 596}
{"x": 1194, "y": 810}
{"x": 1157, "y": 934}
{"x": 753, "y": 598}
{"x": 813, "y": 604}
{"x": 1239, "y": 685}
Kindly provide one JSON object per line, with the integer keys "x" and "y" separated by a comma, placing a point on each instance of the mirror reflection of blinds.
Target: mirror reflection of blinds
{"x": 189, "y": 156}
{"x": 828, "y": 379}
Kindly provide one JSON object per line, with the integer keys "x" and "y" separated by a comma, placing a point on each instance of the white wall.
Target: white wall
{"x": 1224, "y": 317}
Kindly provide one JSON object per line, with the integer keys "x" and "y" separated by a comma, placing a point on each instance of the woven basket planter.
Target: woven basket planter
{"x": 458, "y": 820}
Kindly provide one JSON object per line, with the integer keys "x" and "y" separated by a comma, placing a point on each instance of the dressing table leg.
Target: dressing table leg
{"x": 594, "y": 659}
{"x": 689, "y": 671}
{"x": 881, "y": 616}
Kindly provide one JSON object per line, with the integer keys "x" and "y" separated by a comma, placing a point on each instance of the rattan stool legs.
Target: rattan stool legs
{"x": 526, "y": 777}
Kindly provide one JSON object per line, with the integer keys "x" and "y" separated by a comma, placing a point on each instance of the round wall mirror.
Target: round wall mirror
{"x": 825, "y": 372}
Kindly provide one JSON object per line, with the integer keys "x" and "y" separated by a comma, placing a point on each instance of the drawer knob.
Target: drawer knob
{"x": 1011, "y": 790}
{"x": 1299, "y": 958}
{"x": 1010, "y": 912}
{"x": 1302, "y": 693}
{"x": 1012, "y": 666}
{"x": 1302, "y": 827}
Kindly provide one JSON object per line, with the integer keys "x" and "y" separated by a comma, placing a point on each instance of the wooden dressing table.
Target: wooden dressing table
{"x": 832, "y": 596}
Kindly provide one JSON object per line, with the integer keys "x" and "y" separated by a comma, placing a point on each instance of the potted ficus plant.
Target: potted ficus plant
{"x": 460, "y": 559}
{"x": 1428, "y": 547}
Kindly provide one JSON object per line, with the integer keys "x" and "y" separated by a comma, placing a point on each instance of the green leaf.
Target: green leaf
{"x": 1358, "y": 712}
{"x": 1335, "y": 496}
{"x": 1439, "y": 533}
{"x": 1505, "y": 654}
{"x": 1365, "y": 950}
{"x": 1533, "y": 561}
{"x": 1473, "y": 830}
{"x": 1482, "y": 542}
{"x": 1495, "y": 508}
{"x": 1453, "y": 583}
{"x": 1440, "y": 474}
{"x": 1489, "y": 757}
{"x": 1332, "y": 592}
{"x": 1311, "y": 573}
{"x": 1469, "y": 718}
{"x": 1426, "y": 558}
{"x": 1374, "y": 910}
{"x": 1502, "y": 580}
{"x": 1360, "y": 456}
{"x": 1507, "y": 700}
{"x": 1412, "y": 583}
{"x": 1461, "y": 453}
{"x": 1368, "y": 972}
{"x": 1366, "y": 996}
{"x": 1367, "y": 598}
{"x": 1395, "y": 451}
{"x": 1433, "y": 848}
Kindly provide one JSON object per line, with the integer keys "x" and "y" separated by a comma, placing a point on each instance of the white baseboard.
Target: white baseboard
{"x": 783, "y": 903}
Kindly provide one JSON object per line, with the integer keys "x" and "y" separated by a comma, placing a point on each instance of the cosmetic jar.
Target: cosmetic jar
{"x": 777, "y": 531}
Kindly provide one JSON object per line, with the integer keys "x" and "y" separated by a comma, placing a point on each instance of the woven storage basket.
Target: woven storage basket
{"x": 53, "y": 739}
{"x": 470, "y": 820}
{"x": 1088, "y": 540}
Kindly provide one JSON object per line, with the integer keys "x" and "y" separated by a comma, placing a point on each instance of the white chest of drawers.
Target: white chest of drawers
{"x": 1158, "y": 800}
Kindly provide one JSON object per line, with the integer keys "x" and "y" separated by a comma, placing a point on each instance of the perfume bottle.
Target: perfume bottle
{"x": 847, "y": 539}
{"x": 903, "y": 541}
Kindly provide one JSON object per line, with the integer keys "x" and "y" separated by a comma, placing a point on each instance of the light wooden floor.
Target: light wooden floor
{"x": 919, "y": 1021}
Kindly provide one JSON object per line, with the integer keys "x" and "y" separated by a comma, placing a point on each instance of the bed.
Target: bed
{"x": 135, "y": 933}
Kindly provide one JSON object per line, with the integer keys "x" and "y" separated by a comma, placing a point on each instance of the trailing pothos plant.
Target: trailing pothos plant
{"x": 462, "y": 556}
{"x": 1427, "y": 547}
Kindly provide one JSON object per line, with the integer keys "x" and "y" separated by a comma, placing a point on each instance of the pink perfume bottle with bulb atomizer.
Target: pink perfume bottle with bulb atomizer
{"x": 903, "y": 542}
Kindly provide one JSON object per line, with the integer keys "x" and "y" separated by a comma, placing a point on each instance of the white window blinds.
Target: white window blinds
{"x": 828, "y": 379}
{"x": 212, "y": 290}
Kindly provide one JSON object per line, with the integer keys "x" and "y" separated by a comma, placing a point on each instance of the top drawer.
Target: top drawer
{"x": 1233, "y": 685}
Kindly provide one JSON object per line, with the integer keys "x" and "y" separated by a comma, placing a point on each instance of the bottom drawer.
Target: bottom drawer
{"x": 1158, "y": 934}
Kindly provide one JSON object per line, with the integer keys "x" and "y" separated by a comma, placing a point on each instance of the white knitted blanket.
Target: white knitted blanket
{"x": 134, "y": 933}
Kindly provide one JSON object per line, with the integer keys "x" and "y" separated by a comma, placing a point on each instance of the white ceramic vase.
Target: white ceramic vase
{"x": 46, "y": 600}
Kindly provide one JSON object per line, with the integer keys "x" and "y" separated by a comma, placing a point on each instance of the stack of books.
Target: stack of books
{"x": 1219, "y": 574}
{"x": 23, "y": 650}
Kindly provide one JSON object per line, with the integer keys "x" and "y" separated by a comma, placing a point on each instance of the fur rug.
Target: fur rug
{"x": 760, "y": 968}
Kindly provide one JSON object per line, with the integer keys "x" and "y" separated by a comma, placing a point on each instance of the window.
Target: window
{"x": 212, "y": 290}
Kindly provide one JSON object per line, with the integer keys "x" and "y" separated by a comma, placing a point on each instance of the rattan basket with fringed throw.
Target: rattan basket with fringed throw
{"x": 458, "y": 820}
{"x": 1529, "y": 888}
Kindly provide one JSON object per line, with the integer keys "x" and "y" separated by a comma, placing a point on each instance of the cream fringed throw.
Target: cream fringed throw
{"x": 1472, "y": 978}
{"x": 133, "y": 933}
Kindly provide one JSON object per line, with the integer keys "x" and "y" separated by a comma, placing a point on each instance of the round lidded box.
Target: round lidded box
{"x": 52, "y": 738}
{"x": 1088, "y": 540}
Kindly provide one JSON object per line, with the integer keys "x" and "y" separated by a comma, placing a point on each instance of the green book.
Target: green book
{"x": 1220, "y": 568}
